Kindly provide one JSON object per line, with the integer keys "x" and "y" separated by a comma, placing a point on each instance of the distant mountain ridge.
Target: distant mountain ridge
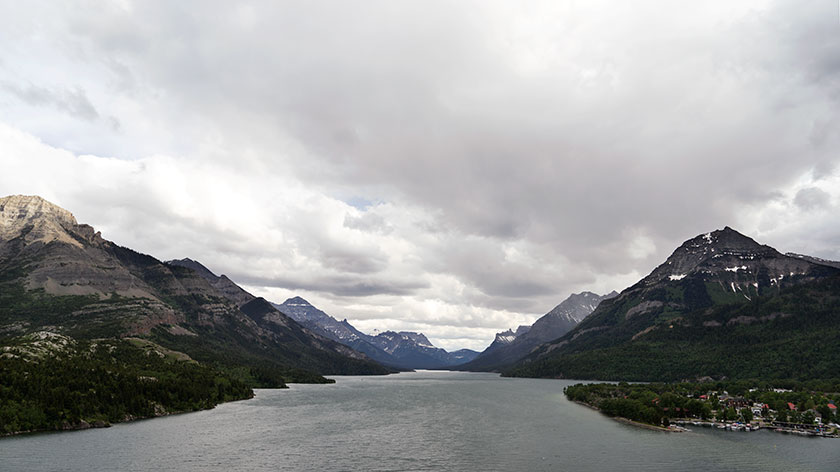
{"x": 405, "y": 349}
{"x": 509, "y": 346}
{"x": 503, "y": 339}
{"x": 341, "y": 331}
{"x": 722, "y": 305}
{"x": 414, "y": 350}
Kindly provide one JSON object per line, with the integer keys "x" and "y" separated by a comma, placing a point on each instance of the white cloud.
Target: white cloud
{"x": 791, "y": 225}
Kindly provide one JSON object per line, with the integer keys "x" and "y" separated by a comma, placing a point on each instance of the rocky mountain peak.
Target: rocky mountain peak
{"x": 577, "y": 306}
{"x": 29, "y": 207}
{"x": 522, "y": 329}
{"x": 418, "y": 338}
{"x": 36, "y": 219}
{"x": 302, "y": 311}
{"x": 714, "y": 252}
{"x": 296, "y": 301}
{"x": 505, "y": 337}
{"x": 198, "y": 267}
{"x": 726, "y": 239}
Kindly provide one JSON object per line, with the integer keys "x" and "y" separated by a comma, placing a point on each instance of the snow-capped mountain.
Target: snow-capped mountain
{"x": 507, "y": 337}
{"x": 415, "y": 350}
{"x": 303, "y": 312}
{"x": 738, "y": 265}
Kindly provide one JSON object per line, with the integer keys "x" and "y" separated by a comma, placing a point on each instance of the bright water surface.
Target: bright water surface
{"x": 437, "y": 421}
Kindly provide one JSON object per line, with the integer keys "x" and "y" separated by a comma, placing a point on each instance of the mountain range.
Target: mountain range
{"x": 59, "y": 276}
{"x": 721, "y": 306}
{"x": 403, "y": 350}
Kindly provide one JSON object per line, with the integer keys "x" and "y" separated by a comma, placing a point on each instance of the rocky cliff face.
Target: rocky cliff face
{"x": 35, "y": 220}
{"x": 59, "y": 255}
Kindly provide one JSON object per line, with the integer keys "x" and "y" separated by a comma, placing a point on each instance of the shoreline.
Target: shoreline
{"x": 755, "y": 427}
{"x": 712, "y": 424}
{"x": 101, "y": 424}
{"x": 646, "y": 426}
{"x": 629, "y": 421}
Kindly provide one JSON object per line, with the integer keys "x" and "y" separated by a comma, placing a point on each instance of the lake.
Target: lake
{"x": 427, "y": 420}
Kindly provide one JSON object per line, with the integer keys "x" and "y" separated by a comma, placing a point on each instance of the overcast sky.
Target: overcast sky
{"x": 455, "y": 168}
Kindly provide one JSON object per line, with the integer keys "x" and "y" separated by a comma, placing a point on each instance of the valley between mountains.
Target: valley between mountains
{"x": 93, "y": 333}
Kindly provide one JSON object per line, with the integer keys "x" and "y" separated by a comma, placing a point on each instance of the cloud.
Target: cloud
{"x": 812, "y": 198}
{"x": 489, "y": 157}
{"x": 72, "y": 101}
{"x": 800, "y": 217}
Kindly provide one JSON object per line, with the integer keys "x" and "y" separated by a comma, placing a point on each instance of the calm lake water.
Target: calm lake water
{"x": 437, "y": 421}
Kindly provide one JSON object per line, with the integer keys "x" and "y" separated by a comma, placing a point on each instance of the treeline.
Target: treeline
{"x": 105, "y": 382}
{"x": 637, "y": 402}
